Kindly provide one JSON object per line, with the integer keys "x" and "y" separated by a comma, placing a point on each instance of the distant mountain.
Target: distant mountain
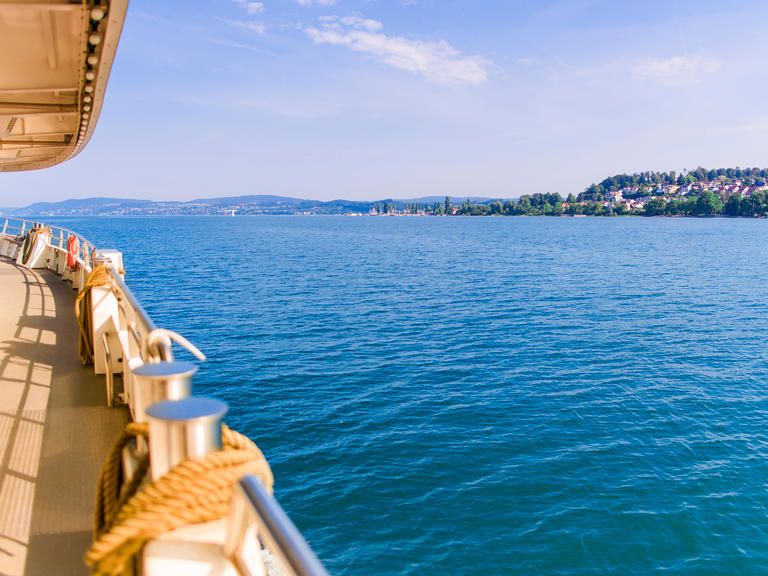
{"x": 251, "y": 204}
{"x": 254, "y": 199}
{"x": 79, "y": 204}
{"x": 454, "y": 199}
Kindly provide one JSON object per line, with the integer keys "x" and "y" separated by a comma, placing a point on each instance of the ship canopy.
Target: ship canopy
{"x": 55, "y": 59}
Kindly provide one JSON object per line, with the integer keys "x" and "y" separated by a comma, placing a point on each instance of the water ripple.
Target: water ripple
{"x": 485, "y": 396}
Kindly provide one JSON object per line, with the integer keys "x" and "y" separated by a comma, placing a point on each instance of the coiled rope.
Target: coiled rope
{"x": 30, "y": 240}
{"x": 192, "y": 492}
{"x": 100, "y": 276}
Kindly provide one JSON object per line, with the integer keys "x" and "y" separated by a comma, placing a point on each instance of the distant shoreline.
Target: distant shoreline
{"x": 477, "y": 216}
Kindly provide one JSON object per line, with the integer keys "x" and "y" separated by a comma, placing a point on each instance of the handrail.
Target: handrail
{"x": 34, "y": 223}
{"x": 273, "y": 526}
{"x": 149, "y": 324}
{"x": 86, "y": 246}
{"x": 85, "y": 254}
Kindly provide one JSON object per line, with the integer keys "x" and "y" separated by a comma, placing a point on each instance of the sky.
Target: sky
{"x": 370, "y": 99}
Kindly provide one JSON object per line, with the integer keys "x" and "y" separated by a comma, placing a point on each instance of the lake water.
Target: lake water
{"x": 488, "y": 395}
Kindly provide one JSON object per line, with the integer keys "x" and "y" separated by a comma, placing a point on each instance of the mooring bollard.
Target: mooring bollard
{"x": 181, "y": 429}
{"x": 153, "y": 383}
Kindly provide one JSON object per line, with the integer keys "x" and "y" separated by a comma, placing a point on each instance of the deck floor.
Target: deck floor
{"x": 55, "y": 428}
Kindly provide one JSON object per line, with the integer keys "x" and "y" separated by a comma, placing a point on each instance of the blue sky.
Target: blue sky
{"x": 404, "y": 98}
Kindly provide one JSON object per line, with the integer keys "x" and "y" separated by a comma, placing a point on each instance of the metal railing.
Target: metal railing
{"x": 257, "y": 521}
{"x": 256, "y": 515}
{"x": 134, "y": 321}
{"x": 18, "y": 227}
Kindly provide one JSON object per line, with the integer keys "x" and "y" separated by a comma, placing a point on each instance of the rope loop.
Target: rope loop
{"x": 192, "y": 492}
{"x": 99, "y": 276}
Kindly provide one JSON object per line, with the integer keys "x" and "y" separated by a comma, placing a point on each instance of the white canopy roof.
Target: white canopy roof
{"x": 55, "y": 59}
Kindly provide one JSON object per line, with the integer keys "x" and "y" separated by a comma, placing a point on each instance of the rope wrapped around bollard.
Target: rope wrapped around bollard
{"x": 99, "y": 276}
{"x": 192, "y": 492}
{"x": 29, "y": 242}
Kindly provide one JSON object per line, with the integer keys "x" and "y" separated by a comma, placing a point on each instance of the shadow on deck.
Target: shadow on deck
{"x": 55, "y": 428}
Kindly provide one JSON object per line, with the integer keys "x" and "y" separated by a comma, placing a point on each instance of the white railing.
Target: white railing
{"x": 133, "y": 340}
{"x": 133, "y": 318}
{"x": 130, "y": 342}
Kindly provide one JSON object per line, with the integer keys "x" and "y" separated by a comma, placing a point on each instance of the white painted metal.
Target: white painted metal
{"x": 195, "y": 550}
{"x": 44, "y": 54}
{"x": 112, "y": 258}
{"x": 106, "y": 323}
{"x": 38, "y": 252}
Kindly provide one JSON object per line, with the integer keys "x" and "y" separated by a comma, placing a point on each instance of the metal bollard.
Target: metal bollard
{"x": 153, "y": 383}
{"x": 181, "y": 429}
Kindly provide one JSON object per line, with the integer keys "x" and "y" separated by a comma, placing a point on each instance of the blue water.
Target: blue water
{"x": 488, "y": 395}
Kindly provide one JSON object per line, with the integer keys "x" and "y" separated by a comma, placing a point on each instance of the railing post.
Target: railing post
{"x": 5, "y": 226}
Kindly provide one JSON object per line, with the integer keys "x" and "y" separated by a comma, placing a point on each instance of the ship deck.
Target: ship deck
{"x": 55, "y": 427}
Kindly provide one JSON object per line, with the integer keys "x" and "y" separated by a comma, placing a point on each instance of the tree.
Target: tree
{"x": 733, "y": 206}
{"x": 524, "y": 204}
{"x": 654, "y": 206}
{"x": 709, "y": 204}
{"x": 447, "y": 205}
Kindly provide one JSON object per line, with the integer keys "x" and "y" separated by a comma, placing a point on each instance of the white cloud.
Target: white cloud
{"x": 253, "y": 26}
{"x": 318, "y": 2}
{"x": 438, "y": 62}
{"x": 251, "y": 7}
{"x": 335, "y": 22}
{"x": 677, "y": 70}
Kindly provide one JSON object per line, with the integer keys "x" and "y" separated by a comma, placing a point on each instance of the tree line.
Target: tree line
{"x": 645, "y": 181}
{"x": 706, "y": 203}
{"x": 651, "y": 187}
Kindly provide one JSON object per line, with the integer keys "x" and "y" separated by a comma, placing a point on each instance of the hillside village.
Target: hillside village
{"x": 634, "y": 198}
{"x": 732, "y": 191}
{"x": 725, "y": 191}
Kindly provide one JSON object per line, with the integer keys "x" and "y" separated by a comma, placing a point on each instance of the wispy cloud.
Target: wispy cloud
{"x": 251, "y": 7}
{"x": 677, "y": 70}
{"x": 241, "y": 46}
{"x": 438, "y": 62}
{"x": 351, "y": 21}
{"x": 250, "y": 25}
{"x": 318, "y": 2}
